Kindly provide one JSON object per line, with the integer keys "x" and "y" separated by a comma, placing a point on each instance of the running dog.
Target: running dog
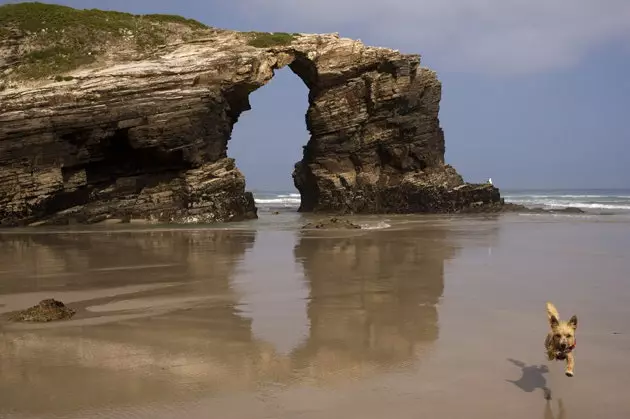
{"x": 560, "y": 341}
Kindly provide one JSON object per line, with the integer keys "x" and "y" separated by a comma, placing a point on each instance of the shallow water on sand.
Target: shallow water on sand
{"x": 412, "y": 316}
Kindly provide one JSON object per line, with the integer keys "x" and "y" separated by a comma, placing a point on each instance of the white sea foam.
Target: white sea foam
{"x": 564, "y": 204}
{"x": 554, "y": 203}
{"x": 561, "y": 215}
{"x": 591, "y": 200}
{"x": 278, "y": 201}
{"x": 377, "y": 226}
{"x": 516, "y": 196}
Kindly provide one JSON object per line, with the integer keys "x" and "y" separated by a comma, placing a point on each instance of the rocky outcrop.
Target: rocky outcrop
{"x": 507, "y": 207}
{"x": 46, "y": 311}
{"x": 145, "y": 135}
{"x": 332, "y": 223}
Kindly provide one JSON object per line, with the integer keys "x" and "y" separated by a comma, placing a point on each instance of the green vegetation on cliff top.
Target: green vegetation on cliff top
{"x": 37, "y": 16}
{"x": 59, "y": 38}
{"x": 56, "y": 39}
{"x": 267, "y": 40}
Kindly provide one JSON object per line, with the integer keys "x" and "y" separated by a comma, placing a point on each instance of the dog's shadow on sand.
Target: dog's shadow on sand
{"x": 532, "y": 378}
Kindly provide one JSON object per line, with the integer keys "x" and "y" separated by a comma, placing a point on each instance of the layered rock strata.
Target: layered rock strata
{"x": 145, "y": 136}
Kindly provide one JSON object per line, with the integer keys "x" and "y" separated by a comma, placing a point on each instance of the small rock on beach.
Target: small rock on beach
{"x": 45, "y": 311}
{"x": 332, "y": 223}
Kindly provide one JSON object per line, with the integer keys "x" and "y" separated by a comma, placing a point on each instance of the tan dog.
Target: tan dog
{"x": 560, "y": 340}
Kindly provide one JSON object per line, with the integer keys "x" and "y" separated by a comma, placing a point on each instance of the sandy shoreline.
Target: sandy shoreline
{"x": 439, "y": 317}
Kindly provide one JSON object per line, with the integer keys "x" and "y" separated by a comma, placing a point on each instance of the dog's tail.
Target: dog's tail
{"x": 552, "y": 311}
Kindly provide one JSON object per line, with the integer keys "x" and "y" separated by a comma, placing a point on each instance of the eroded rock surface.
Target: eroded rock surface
{"x": 332, "y": 223}
{"x": 145, "y": 136}
{"x": 517, "y": 208}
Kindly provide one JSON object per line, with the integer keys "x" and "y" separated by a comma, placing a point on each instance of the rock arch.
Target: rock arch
{"x": 376, "y": 145}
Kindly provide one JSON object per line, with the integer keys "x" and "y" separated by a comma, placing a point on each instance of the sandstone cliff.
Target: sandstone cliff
{"x": 108, "y": 115}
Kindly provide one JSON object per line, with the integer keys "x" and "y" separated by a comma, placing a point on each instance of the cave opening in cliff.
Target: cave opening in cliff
{"x": 268, "y": 140}
{"x": 121, "y": 158}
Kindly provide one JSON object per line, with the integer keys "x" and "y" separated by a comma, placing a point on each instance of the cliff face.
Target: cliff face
{"x": 144, "y": 135}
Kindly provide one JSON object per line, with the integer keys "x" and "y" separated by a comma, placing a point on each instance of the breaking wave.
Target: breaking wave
{"x": 283, "y": 200}
{"x": 613, "y": 201}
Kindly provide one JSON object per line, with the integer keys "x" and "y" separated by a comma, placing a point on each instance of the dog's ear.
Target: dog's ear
{"x": 553, "y": 321}
{"x": 573, "y": 321}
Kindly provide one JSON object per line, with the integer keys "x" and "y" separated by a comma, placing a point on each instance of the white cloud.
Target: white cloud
{"x": 488, "y": 36}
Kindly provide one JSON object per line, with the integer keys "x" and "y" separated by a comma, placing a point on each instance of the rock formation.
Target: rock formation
{"x": 45, "y": 311}
{"x": 332, "y": 223}
{"x": 134, "y": 122}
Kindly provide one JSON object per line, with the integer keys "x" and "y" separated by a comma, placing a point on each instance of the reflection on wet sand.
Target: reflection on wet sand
{"x": 86, "y": 260}
{"x": 371, "y": 307}
{"x": 64, "y": 369}
{"x": 372, "y": 298}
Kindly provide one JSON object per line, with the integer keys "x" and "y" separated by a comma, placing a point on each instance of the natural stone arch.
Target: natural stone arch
{"x": 376, "y": 144}
{"x": 148, "y": 138}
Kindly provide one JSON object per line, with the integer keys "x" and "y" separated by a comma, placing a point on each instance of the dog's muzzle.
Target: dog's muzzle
{"x": 564, "y": 352}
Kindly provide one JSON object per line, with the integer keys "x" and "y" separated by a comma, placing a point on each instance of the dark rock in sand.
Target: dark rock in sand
{"x": 332, "y": 223}
{"x": 506, "y": 207}
{"x": 46, "y": 311}
{"x": 569, "y": 210}
{"x": 509, "y": 207}
{"x": 142, "y": 132}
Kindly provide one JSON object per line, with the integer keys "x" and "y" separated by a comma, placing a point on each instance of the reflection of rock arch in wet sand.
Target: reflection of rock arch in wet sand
{"x": 372, "y": 307}
{"x": 372, "y": 298}
{"x": 79, "y": 260}
{"x": 133, "y": 361}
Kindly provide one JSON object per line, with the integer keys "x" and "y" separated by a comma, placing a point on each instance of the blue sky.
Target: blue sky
{"x": 536, "y": 93}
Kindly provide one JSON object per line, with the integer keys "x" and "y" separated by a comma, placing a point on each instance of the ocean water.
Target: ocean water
{"x": 277, "y": 200}
{"x": 593, "y": 201}
{"x": 602, "y": 201}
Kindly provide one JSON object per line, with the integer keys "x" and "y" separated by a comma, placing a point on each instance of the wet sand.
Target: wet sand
{"x": 263, "y": 320}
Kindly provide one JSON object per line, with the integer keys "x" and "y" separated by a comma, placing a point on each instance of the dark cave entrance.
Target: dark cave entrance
{"x": 268, "y": 140}
{"x": 120, "y": 159}
{"x": 123, "y": 167}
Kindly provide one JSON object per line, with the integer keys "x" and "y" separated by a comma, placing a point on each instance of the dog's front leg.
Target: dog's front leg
{"x": 570, "y": 364}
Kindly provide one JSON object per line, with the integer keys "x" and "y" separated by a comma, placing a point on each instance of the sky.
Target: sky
{"x": 536, "y": 93}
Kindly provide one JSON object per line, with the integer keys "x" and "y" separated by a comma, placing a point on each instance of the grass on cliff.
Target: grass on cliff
{"x": 58, "y": 39}
{"x": 270, "y": 39}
